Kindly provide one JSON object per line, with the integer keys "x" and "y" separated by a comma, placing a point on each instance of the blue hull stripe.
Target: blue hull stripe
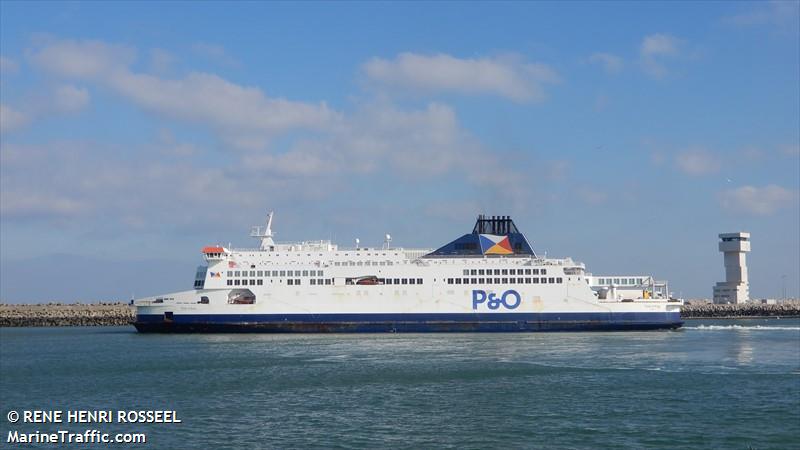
{"x": 406, "y": 322}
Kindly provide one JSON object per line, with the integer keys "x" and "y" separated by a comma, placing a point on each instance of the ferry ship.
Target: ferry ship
{"x": 486, "y": 280}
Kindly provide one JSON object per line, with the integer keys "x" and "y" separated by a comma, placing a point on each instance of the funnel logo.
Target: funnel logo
{"x": 495, "y": 245}
{"x": 510, "y": 299}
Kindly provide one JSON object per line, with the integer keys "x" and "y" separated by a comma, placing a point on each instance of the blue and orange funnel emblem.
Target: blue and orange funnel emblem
{"x": 495, "y": 245}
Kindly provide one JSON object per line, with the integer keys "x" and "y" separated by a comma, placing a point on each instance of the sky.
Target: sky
{"x": 624, "y": 135}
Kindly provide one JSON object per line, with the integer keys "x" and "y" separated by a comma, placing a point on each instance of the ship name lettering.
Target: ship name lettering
{"x": 510, "y": 299}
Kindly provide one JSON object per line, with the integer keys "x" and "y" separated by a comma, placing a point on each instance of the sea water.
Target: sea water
{"x": 714, "y": 383}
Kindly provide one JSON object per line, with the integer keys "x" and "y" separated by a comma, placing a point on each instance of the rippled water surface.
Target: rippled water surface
{"x": 729, "y": 384}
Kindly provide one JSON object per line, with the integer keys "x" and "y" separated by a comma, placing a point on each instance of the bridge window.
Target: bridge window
{"x": 551, "y": 280}
{"x": 505, "y": 272}
{"x": 497, "y": 271}
{"x": 512, "y": 280}
{"x": 544, "y": 271}
{"x": 559, "y": 280}
{"x": 497, "y": 281}
{"x": 230, "y": 282}
{"x": 527, "y": 271}
{"x": 230, "y": 273}
{"x": 512, "y": 272}
{"x": 260, "y": 281}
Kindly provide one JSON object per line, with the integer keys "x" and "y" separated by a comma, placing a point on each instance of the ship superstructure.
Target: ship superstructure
{"x": 486, "y": 280}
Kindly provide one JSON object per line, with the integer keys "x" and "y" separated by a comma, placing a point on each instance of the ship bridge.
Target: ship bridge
{"x": 491, "y": 236}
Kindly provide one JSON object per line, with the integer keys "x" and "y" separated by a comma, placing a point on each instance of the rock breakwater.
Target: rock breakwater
{"x": 710, "y": 310}
{"x": 65, "y": 315}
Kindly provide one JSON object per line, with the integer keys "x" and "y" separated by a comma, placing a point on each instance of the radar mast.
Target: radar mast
{"x": 264, "y": 234}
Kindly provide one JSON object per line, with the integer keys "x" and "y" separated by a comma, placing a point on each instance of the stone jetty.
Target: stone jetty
{"x": 65, "y": 315}
{"x": 743, "y": 310}
{"x": 116, "y": 314}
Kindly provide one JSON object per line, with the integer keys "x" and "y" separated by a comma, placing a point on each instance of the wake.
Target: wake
{"x": 742, "y": 328}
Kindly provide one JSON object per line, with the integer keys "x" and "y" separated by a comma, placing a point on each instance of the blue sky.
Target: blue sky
{"x": 625, "y": 135}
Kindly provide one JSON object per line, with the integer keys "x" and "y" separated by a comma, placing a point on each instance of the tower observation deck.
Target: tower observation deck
{"x": 735, "y": 288}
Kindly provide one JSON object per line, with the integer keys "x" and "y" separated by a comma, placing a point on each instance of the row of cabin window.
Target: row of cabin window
{"x": 534, "y": 280}
{"x": 399, "y": 280}
{"x": 363, "y": 263}
{"x": 505, "y": 272}
{"x": 290, "y": 282}
{"x": 630, "y": 281}
{"x": 275, "y": 273}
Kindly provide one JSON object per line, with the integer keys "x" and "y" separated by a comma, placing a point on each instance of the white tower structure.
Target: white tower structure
{"x": 735, "y": 288}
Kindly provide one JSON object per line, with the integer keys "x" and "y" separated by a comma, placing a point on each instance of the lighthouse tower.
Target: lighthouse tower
{"x": 735, "y": 288}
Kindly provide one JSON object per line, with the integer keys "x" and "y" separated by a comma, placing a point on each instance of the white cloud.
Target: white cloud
{"x": 82, "y": 59}
{"x": 377, "y": 140}
{"x": 601, "y": 102}
{"x": 697, "y": 162}
{"x": 215, "y": 53}
{"x": 29, "y": 204}
{"x": 8, "y": 65}
{"x": 659, "y": 44}
{"x": 591, "y": 196}
{"x": 655, "y": 49}
{"x": 236, "y": 112}
{"x": 69, "y": 99}
{"x": 772, "y": 13}
{"x": 611, "y": 63}
{"x": 64, "y": 99}
{"x": 507, "y": 77}
{"x": 161, "y": 60}
{"x": 759, "y": 201}
{"x": 11, "y": 119}
{"x": 243, "y": 116}
{"x": 791, "y": 150}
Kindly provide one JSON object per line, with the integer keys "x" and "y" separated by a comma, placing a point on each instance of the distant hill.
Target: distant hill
{"x": 71, "y": 278}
